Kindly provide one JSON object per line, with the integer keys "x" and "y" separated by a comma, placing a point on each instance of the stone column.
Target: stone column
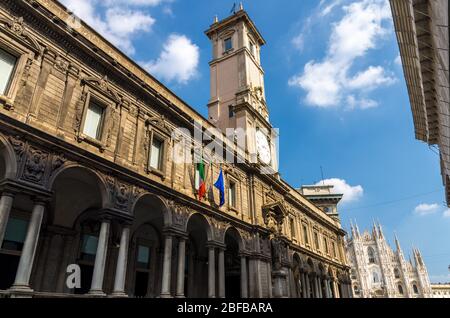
{"x": 304, "y": 290}
{"x": 244, "y": 277}
{"x": 316, "y": 287}
{"x": 319, "y": 287}
{"x": 308, "y": 286}
{"x": 22, "y": 280}
{"x": 211, "y": 272}
{"x": 221, "y": 273}
{"x": 167, "y": 267}
{"x": 327, "y": 288}
{"x": 6, "y": 203}
{"x": 181, "y": 267}
{"x": 121, "y": 268}
{"x": 100, "y": 260}
{"x": 350, "y": 292}
{"x": 336, "y": 289}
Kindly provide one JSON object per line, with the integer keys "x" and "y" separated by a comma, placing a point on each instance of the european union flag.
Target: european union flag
{"x": 220, "y": 184}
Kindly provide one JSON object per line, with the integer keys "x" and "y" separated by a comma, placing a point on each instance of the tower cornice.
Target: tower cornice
{"x": 217, "y": 27}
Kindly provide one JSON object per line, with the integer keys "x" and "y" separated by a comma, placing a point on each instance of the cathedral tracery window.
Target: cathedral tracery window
{"x": 400, "y": 289}
{"x": 396, "y": 273}
{"x": 371, "y": 254}
{"x": 415, "y": 289}
{"x": 376, "y": 278}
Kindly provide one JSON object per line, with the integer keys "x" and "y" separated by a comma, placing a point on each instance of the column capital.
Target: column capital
{"x": 245, "y": 254}
{"x": 117, "y": 216}
{"x": 216, "y": 244}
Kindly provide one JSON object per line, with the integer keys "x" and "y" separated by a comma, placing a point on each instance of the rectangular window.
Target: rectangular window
{"x": 325, "y": 242}
{"x": 292, "y": 227}
{"x": 7, "y": 65}
{"x": 316, "y": 241}
{"x": 94, "y": 120}
{"x": 252, "y": 48}
{"x": 89, "y": 247}
{"x": 305, "y": 234}
{"x": 156, "y": 154}
{"x": 16, "y": 230}
{"x": 228, "y": 44}
{"x": 143, "y": 258}
{"x": 230, "y": 111}
{"x": 232, "y": 194}
{"x": 334, "y": 249}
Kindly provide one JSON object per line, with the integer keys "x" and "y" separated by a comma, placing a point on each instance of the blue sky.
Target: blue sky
{"x": 335, "y": 89}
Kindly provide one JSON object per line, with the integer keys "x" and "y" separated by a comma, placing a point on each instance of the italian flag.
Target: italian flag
{"x": 200, "y": 178}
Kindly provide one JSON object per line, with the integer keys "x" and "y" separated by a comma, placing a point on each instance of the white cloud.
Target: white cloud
{"x": 362, "y": 103}
{"x": 329, "y": 8}
{"x": 426, "y": 209}
{"x": 371, "y": 78}
{"x": 299, "y": 41}
{"x": 328, "y": 82}
{"x": 119, "y": 21}
{"x": 351, "y": 193}
{"x": 446, "y": 213}
{"x": 398, "y": 60}
{"x": 177, "y": 62}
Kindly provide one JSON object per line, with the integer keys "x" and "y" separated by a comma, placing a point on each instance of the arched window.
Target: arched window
{"x": 353, "y": 274}
{"x": 356, "y": 289}
{"x": 415, "y": 289}
{"x": 376, "y": 279}
{"x": 371, "y": 254}
{"x": 396, "y": 273}
{"x": 400, "y": 289}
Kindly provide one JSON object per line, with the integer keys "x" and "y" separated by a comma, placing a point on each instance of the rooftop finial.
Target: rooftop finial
{"x": 216, "y": 19}
{"x": 241, "y": 6}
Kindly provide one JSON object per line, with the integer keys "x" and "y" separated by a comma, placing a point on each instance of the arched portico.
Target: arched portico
{"x": 74, "y": 232}
{"x": 200, "y": 261}
{"x": 236, "y": 265}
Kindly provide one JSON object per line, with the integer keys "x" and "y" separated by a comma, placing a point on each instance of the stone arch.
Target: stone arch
{"x": 297, "y": 272}
{"x": 232, "y": 257}
{"x": 233, "y": 232}
{"x": 146, "y": 252}
{"x": 76, "y": 189}
{"x": 156, "y": 202}
{"x": 199, "y": 232}
{"x": 310, "y": 265}
{"x": 204, "y": 220}
{"x": 8, "y": 161}
{"x": 321, "y": 269}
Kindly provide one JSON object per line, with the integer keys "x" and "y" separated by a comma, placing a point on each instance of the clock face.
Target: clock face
{"x": 263, "y": 147}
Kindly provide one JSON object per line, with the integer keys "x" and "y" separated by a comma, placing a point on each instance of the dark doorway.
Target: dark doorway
{"x": 232, "y": 268}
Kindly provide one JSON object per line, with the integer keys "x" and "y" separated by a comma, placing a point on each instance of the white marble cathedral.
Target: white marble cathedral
{"x": 378, "y": 271}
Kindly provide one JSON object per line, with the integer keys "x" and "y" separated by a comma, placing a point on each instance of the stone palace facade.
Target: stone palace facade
{"x": 379, "y": 272}
{"x": 87, "y": 180}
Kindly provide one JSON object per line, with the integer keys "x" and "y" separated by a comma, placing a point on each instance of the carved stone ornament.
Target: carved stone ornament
{"x": 61, "y": 64}
{"x": 35, "y": 166}
{"x": 103, "y": 85}
{"x": 273, "y": 215}
{"x": 247, "y": 239}
{"x": 180, "y": 214}
{"x": 120, "y": 193}
{"x": 218, "y": 229}
{"x": 159, "y": 122}
{"x": 79, "y": 112}
{"x": 58, "y": 161}
{"x": 16, "y": 26}
{"x": 264, "y": 244}
{"x": 18, "y": 146}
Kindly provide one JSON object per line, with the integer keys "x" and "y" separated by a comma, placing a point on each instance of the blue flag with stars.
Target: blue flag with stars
{"x": 220, "y": 184}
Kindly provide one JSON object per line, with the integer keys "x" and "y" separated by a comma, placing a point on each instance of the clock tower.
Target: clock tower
{"x": 237, "y": 85}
